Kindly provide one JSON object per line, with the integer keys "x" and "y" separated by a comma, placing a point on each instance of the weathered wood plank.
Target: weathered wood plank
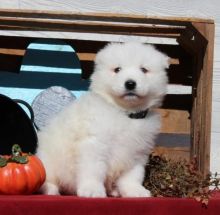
{"x": 110, "y": 17}
{"x": 87, "y": 27}
{"x": 202, "y": 106}
{"x": 174, "y": 153}
{"x": 175, "y": 121}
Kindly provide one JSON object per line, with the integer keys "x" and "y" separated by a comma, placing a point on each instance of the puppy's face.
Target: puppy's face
{"x": 132, "y": 75}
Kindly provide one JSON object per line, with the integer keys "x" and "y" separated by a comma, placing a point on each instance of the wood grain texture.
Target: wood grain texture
{"x": 202, "y": 107}
{"x": 175, "y": 121}
{"x": 109, "y": 17}
{"x": 174, "y": 153}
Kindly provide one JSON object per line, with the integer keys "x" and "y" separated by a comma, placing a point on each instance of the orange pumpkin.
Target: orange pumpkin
{"x": 20, "y": 173}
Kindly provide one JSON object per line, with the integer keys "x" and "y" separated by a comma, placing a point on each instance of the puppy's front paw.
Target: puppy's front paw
{"x": 135, "y": 191}
{"x": 114, "y": 193}
{"x": 49, "y": 189}
{"x": 91, "y": 189}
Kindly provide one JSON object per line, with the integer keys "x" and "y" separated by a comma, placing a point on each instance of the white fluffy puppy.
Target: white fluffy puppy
{"x": 100, "y": 143}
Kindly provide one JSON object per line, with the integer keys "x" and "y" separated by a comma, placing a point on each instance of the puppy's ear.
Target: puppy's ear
{"x": 98, "y": 58}
{"x": 101, "y": 55}
{"x": 104, "y": 55}
{"x": 161, "y": 57}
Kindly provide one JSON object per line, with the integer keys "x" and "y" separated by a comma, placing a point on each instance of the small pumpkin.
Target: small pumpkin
{"x": 20, "y": 173}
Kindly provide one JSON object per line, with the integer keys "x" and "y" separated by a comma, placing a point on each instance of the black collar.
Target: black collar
{"x": 138, "y": 115}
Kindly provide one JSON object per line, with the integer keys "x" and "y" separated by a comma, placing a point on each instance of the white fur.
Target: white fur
{"x": 93, "y": 148}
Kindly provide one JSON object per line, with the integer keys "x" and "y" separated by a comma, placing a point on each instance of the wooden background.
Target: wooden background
{"x": 183, "y": 8}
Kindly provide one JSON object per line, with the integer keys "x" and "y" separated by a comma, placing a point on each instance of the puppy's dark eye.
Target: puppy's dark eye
{"x": 144, "y": 70}
{"x": 117, "y": 69}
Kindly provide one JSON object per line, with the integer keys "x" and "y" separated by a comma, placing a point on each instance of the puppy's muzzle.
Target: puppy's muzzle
{"x": 130, "y": 85}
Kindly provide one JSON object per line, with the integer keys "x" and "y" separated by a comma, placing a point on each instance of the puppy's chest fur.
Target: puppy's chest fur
{"x": 129, "y": 144}
{"x": 127, "y": 141}
{"x": 123, "y": 138}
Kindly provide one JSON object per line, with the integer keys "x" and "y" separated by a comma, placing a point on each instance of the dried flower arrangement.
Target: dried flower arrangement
{"x": 168, "y": 178}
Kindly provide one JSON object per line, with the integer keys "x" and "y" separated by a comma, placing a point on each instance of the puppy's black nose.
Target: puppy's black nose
{"x": 130, "y": 85}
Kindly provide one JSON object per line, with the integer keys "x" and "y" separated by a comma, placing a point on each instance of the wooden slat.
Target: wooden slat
{"x": 90, "y": 27}
{"x": 82, "y": 56}
{"x": 202, "y": 105}
{"x": 19, "y": 52}
{"x": 174, "y": 153}
{"x": 175, "y": 121}
{"x": 84, "y": 46}
{"x": 14, "y": 28}
{"x": 61, "y": 28}
{"x": 91, "y": 57}
{"x": 110, "y": 17}
{"x": 97, "y": 23}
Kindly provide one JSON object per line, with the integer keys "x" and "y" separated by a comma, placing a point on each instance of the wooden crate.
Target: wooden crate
{"x": 191, "y": 64}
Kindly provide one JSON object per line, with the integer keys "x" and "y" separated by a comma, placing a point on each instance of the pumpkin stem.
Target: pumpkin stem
{"x": 16, "y": 150}
{"x": 17, "y": 156}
